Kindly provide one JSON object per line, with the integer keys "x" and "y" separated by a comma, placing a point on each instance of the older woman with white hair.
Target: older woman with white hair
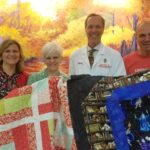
{"x": 52, "y": 57}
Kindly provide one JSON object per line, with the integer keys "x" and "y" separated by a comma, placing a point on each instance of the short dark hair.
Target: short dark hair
{"x": 141, "y": 23}
{"x": 94, "y": 15}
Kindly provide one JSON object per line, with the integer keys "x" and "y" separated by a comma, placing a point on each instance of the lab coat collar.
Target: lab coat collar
{"x": 98, "y": 47}
{"x": 101, "y": 51}
{"x": 100, "y": 54}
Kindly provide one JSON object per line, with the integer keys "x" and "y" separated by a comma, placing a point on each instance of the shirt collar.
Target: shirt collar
{"x": 97, "y": 47}
{"x": 2, "y": 72}
{"x": 46, "y": 72}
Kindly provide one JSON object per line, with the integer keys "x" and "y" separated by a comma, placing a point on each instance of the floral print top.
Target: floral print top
{"x": 7, "y": 83}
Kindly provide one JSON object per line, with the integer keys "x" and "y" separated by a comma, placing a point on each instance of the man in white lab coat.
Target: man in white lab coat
{"x": 107, "y": 61}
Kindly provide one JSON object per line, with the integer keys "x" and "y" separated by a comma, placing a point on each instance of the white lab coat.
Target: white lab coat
{"x": 108, "y": 62}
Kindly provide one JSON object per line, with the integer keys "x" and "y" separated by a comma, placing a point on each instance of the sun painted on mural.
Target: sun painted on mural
{"x": 33, "y": 23}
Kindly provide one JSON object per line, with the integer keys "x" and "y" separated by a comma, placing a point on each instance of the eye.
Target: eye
{"x": 15, "y": 51}
{"x": 55, "y": 57}
{"x": 7, "y": 51}
{"x": 89, "y": 26}
{"x": 98, "y": 26}
{"x": 48, "y": 58}
{"x": 142, "y": 35}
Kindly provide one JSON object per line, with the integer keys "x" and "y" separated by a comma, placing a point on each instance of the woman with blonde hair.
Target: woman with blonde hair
{"x": 11, "y": 67}
{"x": 52, "y": 57}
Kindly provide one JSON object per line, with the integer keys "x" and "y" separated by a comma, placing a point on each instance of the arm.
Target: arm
{"x": 22, "y": 79}
{"x": 119, "y": 68}
{"x": 32, "y": 78}
{"x": 127, "y": 61}
{"x": 37, "y": 76}
{"x": 71, "y": 66}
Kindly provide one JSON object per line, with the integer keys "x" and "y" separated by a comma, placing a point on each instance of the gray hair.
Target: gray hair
{"x": 51, "y": 48}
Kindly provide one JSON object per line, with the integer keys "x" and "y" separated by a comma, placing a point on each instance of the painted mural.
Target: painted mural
{"x": 33, "y": 23}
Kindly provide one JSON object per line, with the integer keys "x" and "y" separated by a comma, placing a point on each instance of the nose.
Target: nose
{"x": 51, "y": 60}
{"x": 11, "y": 53}
{"x": 146, "y": 37}
{"x": 94, "y": 29}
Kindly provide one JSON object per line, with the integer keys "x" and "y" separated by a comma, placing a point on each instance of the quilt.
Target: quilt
{"x": 78, "y": 88}
{"x": 37, "y": 117}
{"x": 88, "y": 105}
{"x": 129, "y": 113}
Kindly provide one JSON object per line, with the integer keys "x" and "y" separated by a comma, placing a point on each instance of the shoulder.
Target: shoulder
{"x": 78, "y": 51}
{"x": 110, "y": 50}
{"x": 65, "y": 76}
{"x": 33, "y": 78}
{"x": 129, "y": 56}
{"x": 37, "y": 76}
{"x": 23, "y": 75}
{"x": 113, "y": 53}
{"x": 22, "y": 79}
{"x": 1, "y": 71}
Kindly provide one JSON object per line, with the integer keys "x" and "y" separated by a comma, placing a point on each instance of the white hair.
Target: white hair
{"x": 51, "y": 48}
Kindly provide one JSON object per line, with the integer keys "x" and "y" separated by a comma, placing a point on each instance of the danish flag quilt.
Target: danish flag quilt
{"x": 37, "y": 117}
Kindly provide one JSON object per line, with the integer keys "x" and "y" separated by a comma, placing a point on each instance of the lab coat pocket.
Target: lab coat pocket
{"x": 82, "y": 68}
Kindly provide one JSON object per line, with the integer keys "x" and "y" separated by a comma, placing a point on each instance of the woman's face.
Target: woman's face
{"x": 53, "y": 61}
{"x": 11, "y": 55}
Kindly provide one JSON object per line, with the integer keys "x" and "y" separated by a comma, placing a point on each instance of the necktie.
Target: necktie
{"x": 91, "y": 56}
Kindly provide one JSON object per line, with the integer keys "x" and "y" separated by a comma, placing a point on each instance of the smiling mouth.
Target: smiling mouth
{"x": 146, "y": 45}
{"x": 94, "y": 36}
{"x": 146, "y": 42}
{"x": 13, "y": 59}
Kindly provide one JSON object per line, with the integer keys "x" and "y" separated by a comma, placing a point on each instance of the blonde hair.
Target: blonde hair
{"x": 4, "y": 45}
{"x": 51, "y": 48}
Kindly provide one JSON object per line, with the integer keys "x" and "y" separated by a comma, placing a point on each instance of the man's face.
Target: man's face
{"x": 143, "y": 39}
{"x": 94, "y": 30}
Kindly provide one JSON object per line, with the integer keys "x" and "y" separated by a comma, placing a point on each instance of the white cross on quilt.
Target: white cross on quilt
{"x": 37, "y": 117}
